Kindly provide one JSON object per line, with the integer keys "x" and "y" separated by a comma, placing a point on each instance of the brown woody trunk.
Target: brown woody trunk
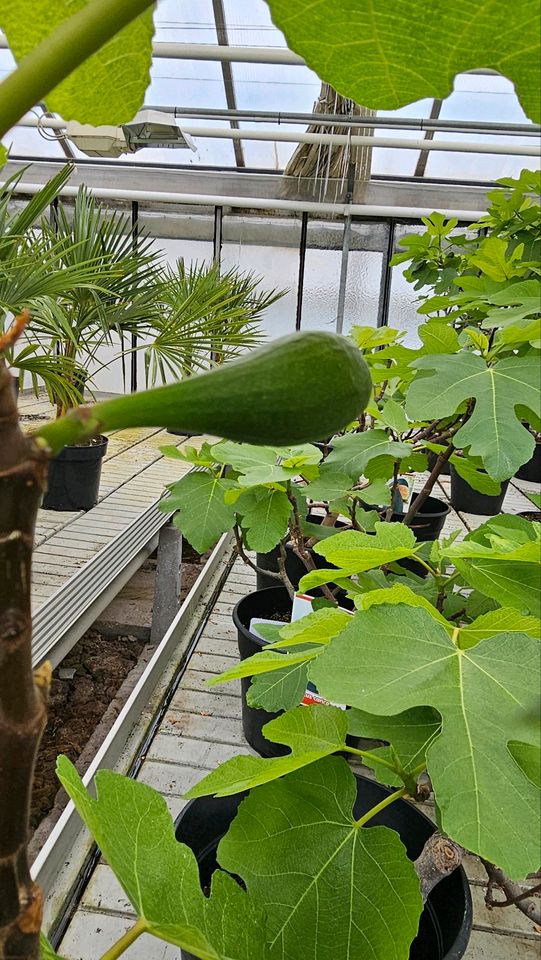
{"x": 22, "y": 695}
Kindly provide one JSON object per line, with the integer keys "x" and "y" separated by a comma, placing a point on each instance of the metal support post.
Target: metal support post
{"x": 168, "y": 580}
{"x": 302, "y": 261}
{"x": 386, "y": 278}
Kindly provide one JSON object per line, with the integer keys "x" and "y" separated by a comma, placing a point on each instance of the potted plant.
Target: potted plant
{"x": 373, "y": 660}
{"x": 146, "y": 858}
{"x": 182, "y": 318}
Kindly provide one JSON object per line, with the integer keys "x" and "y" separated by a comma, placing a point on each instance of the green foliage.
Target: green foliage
{"x": 354, "y": 552}
{"x": 336, "y": 883}
{"x": 134, "y": 830}
{"x": 110, "y": 86}
{"x": 353, "y": 452}
{"x": 502, "y": 559}
{"x": 312, "y": 732}
{"x": 203, "y": 513}
{"x": 265, "y": 514}
{"x": 47, "y": 952}
{"x": 486, "y": 696}
{"x": 387, "y": 61}
{"x": 493, "y": 432}
{"x": 201, "y": 311}
{"x": 408, "y": 734}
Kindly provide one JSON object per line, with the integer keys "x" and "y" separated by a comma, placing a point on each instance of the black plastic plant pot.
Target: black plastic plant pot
{"x": 466, "y": 500}
{"x": 532, "y": 469}
{"x": 271, "y": 603}
{"x": 428, "y": 523}
{"x": 74, "y": 477}
{"x": 295, "y": 568}
{"x": 445, "y": 926}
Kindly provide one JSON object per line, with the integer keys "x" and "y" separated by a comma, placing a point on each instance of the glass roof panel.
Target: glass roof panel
{"x": 282, "y": 88}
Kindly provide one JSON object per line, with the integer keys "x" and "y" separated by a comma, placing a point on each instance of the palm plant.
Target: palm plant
{"x": 83, "y": 317}
{"x": 203, "y": 317}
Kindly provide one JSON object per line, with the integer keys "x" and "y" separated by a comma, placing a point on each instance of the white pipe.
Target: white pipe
{"x": 234, "y": 54}
{"x": 261, "y": 203}
{"x": 339, "y": 139}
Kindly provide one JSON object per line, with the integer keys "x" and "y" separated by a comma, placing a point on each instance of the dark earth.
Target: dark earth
{"x": 83, "y": 687}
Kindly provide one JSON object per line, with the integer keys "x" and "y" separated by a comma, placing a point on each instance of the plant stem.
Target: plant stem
{"x": 429, "y": 485}
{"x": 372, "y": 757}
{"x": 69, "y": 45}
{"x": 23, "y": 696}
{"x": 125, "y": 941}
{"x": 381, "y": 806}
{"x": 246, "y": 559}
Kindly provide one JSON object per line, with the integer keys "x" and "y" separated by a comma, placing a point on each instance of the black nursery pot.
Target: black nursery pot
{"x": 428, "y": 523}
{"x": 270, "y": 603}
{"x": 267, "y": 604}
{"x": 74, "y": 477}
{"x": 295, "y": 568}
{"x": 445, "y": 927}
{"x": 467, "y": 500}
{"x": 532, "y": 469}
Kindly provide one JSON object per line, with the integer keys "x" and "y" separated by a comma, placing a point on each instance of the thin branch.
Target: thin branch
{"x": 515, "y": 894}
{"x": 421, "y": 497}
{"x": 246, "y": 559}
{"x": 282, "y": 557}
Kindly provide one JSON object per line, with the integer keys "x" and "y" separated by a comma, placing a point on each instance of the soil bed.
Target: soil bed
{"x": 90, "y": 678}
{"x": 82, "y": 688}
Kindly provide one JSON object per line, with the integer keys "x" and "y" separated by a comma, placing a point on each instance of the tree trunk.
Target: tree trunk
{"x": 23, "y": 696}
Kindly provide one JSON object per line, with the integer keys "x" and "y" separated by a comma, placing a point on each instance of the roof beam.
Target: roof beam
{"x": 227, "y": 74}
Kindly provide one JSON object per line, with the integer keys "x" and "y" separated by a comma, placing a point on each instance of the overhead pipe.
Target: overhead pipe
{"x": 338, "y": 120}
{"x": 366, "y": 211}
{"x": 339, "y": 139}
{"x": 248, "y": 54}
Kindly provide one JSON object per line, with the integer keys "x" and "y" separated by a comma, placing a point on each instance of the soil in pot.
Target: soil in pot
{"x": 74, "y": 477}
{"x": 295, "y": 568}
{"x": 466, "y": 500}
{"x": 533, "y": 515}
{"x": 532, "y": 469}
{"x": 428, "y": 523}
{"x": 445, "y": 926}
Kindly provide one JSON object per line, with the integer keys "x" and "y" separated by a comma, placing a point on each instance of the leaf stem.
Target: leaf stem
{"x": 372, "y": 757}
{"x": 126, "y": 940}
{"x": 379, "y": 807}
{"x": 60, "y": 53}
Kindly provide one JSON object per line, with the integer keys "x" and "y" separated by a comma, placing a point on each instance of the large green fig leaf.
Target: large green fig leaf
{"x": 329, "y": 886}
{"x": 493, "y": 432}
{"x": 503, "y": 620}
{"x": 256, "y": 465}
{"x": 353, "y": 452}
{"x": 353, "y": 552}
{"x": 279, "y": 690}
{"x": 486, "y": 696}
{"x": 265, "y": 513}
{"x": 311, "y": 733}
{"x": 386, "y": 58}
{"x": 203, "y": 515}
{"x": 109, "y": 87}
{"x": 134, "y": 830}
{"x": 250, "y": 399}
{"x": 409, "y": 733}
{"x": 502, "y": 560}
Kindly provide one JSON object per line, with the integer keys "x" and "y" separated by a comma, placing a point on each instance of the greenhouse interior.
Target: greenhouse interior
{"x": 270, "y": 467}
